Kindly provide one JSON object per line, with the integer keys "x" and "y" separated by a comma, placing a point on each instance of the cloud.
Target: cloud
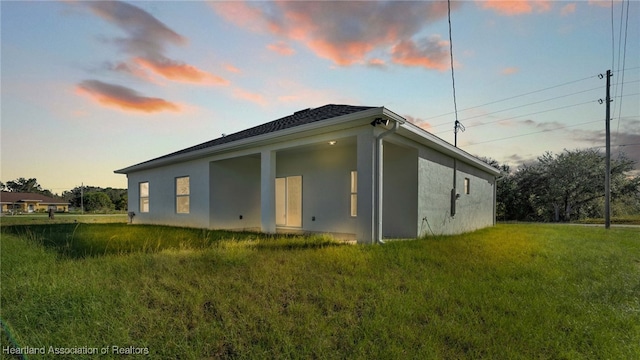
{"x": 430, "y": 53}
{"x": 344, "y": 32}
{"x": 146, "y": 41}
{"x": 123, "y": 98}
{"x": 419, "y": 122}
{"x": 130, "y": 69}
{"x": 510, "y": 71}
{"x": 376, "y": 62}
{"x": 232, "y": 69}
{"x": 515, "y": 7}
{"x": 600, "y": 3}
{"x": 281, "y": 48}
{"x": 181, "y": 72}
{"x": 249, "y": 96}
{"x": 568, "y": 9}
{"x": 544, "y": 126}
{"x": 146, "y": 34}
{"x": 627, "y": 140}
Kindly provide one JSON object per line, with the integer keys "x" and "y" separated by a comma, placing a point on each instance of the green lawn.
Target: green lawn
{"x": 32, "y": 219}
{"x": 509, "y": 292}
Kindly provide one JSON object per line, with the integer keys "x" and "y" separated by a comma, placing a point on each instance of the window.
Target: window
{"x": 289, "y": 201}
{"x": 182, "y": 195}
{"x": 144, "y": 197}
{"x": 354, "y": 193}
{"x": 466, "y": 185}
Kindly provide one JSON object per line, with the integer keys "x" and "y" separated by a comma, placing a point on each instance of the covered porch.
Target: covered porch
{"x": 320, "y": 184}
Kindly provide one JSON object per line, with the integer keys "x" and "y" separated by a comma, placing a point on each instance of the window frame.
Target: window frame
{"x": 353, "y": 194}
{"x": 180, "y": 196}
{"x": 467, "y": 186}
{"x": 142, "y": 197}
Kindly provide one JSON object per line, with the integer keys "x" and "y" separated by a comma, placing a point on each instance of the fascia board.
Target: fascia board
{"x": 344, "y": 121}
{"x": 426, "y": 138}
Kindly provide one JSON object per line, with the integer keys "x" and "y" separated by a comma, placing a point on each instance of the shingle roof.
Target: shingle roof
{"x": 14, "y": 197}
{"x": 296, "y": 119}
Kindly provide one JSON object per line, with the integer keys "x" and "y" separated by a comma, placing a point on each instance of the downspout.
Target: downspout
{"x": 379, "y": 179}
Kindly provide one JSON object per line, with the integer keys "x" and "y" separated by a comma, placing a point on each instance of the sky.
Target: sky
{"x": 91, "y": 87}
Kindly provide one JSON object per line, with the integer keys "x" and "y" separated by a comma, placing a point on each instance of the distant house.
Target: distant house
{"x": 15, "y": 202}
{"x": 355, "y": 172}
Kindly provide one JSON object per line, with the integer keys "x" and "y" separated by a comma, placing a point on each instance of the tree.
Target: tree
{"x": 118, "y": 197}
{"x": 565, "y": 187}
{"x": 97, "y": 201}
{"x": 26, "y": 186}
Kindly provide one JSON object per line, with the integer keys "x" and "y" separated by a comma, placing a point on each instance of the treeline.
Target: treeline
{"x": 93, "y": 198}
{"x": 556, "y": 187}
{"x": 566, "y": 187}
{"x": 89, "y": 198}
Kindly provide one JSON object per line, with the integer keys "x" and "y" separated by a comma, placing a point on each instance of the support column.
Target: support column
{"x": 268, "y": 191}
{"x": 366, "y": 189}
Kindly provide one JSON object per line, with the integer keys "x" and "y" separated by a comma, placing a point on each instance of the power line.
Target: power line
{"x": 528, "y": 104}
{"x": 515, "y": 96}
{"x": 533, "y": 133}
{"x": 533, "y": 103}
{"x": 624, "y": 59}
{"x": 533, "y": 113}
{"x": 457, "y": 125}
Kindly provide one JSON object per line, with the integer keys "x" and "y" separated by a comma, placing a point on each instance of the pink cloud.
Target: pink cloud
{"x": 176, "y": 71}
{"x": 376, "y": 62}
{"x": 430, "y": 53}
{"x": 281, "y": 48}
{"x": 515, "y": 7}
{"x": 568, "y": 9}
{"x": 232, "y": 69}
{"x": 510, "y": 71}
{"x": 344, "y": 32}
{"x": 145, "y": 41}
{"x": 123, "y": 98}
{"x": 419, "y": 122}
{"x": 249, "y": 96}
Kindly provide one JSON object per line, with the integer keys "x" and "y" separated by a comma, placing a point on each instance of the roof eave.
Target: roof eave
{"x": 259, "y": 140}
{"x": 446, "y": 148}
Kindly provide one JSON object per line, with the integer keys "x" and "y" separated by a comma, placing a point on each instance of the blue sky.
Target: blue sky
{"x": 90, "y": 87}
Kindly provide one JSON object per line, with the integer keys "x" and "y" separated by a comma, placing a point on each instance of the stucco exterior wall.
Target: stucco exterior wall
{"x": 235, "y": 193}
{"x": 473, "y": 210}
{"x": 417, "y": 182}
{"x": 326, "y": 184}
{"x": 162, "y": 194}
{"x": 400, "y": 191}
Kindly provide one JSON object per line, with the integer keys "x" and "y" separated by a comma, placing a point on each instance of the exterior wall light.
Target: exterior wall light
{"x": 332, "y": 142}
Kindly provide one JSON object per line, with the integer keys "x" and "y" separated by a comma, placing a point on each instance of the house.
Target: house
{"x": 15, "y": 202}
{"x": 355, "y": 172}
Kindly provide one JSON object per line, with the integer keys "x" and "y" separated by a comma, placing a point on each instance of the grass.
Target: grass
{"x": 512, "y": 291}
{"x": 620, "y": 220}
{"x": 33, "y": 219}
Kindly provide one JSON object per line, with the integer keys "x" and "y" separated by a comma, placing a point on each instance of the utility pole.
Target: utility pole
{"x": 82, "y": 198}
{"x": 607, "y": 175}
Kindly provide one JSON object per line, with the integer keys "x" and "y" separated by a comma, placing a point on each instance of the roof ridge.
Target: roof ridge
{"x": 298, "y": 118}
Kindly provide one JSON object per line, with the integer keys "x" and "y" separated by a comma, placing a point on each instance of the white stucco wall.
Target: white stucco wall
{"x": 235, "y": 193}
{"x": 400, "y": 191}
{"x": 326, "y": 180}
{"x": 162, "y": 194}
{"x": 473, "y": 211}
{"x": 417, "y": 185}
